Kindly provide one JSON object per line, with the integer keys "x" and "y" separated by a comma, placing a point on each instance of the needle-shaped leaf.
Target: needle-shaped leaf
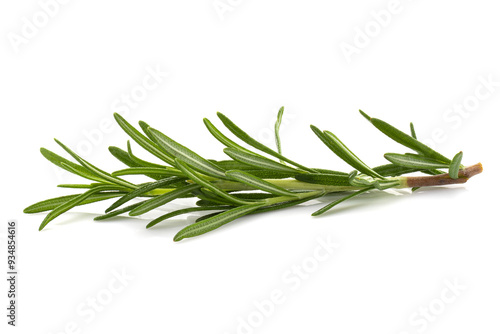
{"x": 289, "y": 203}
{"x": 412, "y": 130}
{"x": 96, "y": 171}
{"x": 254, "y": 143}
{"x": 142, "y": 140}
{"x": 163, "y": 199}
{"x": 394, "y": 170}
{"x": 118, "y": 212}
{"x": 326, "y": 179}
{"x": 191, "y": 174}
{"x": 277, "y": 130}
{"x": 214, "y": 222}
{"x": 334, "y": 203}
{"x": 258, "y": 161}
{"x": 122, "y": 156}
{"x": 165, "y": 171}
{"x": 334, "y": 144}
{"x": 270, "y": 174}
{"x": 184, "y": 211}
{"x": 143, "y": 190}
{"x": 455, "y": 165}
{"x": 75, "y": 186}
{"x": 53, "y": 203}
{"x": 139, "y": 161}
{"x": 78, "y": 200}
{"x": 186, "y": 155}
{"x": 406, "y": 140}
{"x": 257, "y": 183}
{"x": 414, "y": 161}
{"x": 68, "y": 165}
{"x": 223, "y": 138}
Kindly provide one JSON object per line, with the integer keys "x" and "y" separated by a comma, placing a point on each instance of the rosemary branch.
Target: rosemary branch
{"x": 249, "y": 182}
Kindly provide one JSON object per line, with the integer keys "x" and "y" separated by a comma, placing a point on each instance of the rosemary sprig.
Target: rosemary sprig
{"x": 249, "y": 183}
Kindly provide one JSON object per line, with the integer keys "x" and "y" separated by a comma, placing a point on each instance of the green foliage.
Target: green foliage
{"x": 249, "y": 183}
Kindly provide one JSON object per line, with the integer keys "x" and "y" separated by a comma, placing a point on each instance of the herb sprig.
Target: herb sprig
{"x": 251, "y": 181}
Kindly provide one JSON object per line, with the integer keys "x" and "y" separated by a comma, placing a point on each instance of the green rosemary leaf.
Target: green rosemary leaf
{"x": 412, "y": 130}
{"x": 270, "y": 174}
{"x": 165, "y": 171}
{"x": 394, "y": 170}
{"x": 184, "y": 211}
{"x": 365, "y": 115}
{"x": 257, "y": 183}
{"x": 222, "y": 138}
{"x": 139, "y": 161}
{"x": 96, "y": 171}
{"x": 75, "y": 186}
{"x": 191, "y": 174}
{"x": 186, "y": 155}
{"x": 53, "y": 203}
{"x": 287, "y": 204}
{"x": 414, "y": 189}
{"x": 214, "y": 222}
{"x": 143, "y": 141}
{"x": 258, "y": 161}
{"x": 118, "y": 212}
{"x": 231, "y": 164}
{"x": 334, "y": 144}
{"x": 68, "y": 165}
{"x": 163, "y": 199}
{"x": 253, "y": 196}
{"x": 277, "y": 130}
{"x": 145, "y": 128}
{"x": 122, "y": 156}
{"x": 208, "y": 195}
{"x": 254, "y": 143}
{"x": 414, "y": 161}
{"x": 325, "y": 179}
{"x": 408, "y": 141}
{"x": 455, "y": 165}
{"x": 204, "y": 217}
{"x": 143, "y": 190}
{"x": 334, "y": 203}
{"x": 78, "y": 200}
{"x": 329, "y": 171}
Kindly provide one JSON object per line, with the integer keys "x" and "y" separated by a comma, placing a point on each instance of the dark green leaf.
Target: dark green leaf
{"x": 334, "y": 203}
{"x": 408, "y": 141}
{"x": 334, "y": 144}
{"x": 206, "y": 184}
{"x": 325, "y": 179}
{"x": 257, "y": 183}
{"x": 184, "y": 211}
{"x": 252, "y": 142}
{"x": 414, "y": 161}
{"x": 163, "y": 199}
{"x": 142, "y": 140}
{"x": 78, "y": 200}
{"x": 186, "y": 155}
{"x": 258, "y": 161}
{"x": 96, "y": 171}
{"x": 214, "y": 222}
{"x": 165, "y": 171}
{"x": 118, "y": 212}
{"x": 412, "y": 129}
{"x": 143, "y": 190}
{"x": 53, "y": 203}
{"x": 68, "y": 165}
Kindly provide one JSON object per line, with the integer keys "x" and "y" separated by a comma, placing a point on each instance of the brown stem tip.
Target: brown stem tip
{"x": 443, "y": 179}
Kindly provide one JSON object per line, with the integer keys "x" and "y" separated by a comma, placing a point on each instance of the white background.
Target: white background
{"x": 396, "y": 253}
